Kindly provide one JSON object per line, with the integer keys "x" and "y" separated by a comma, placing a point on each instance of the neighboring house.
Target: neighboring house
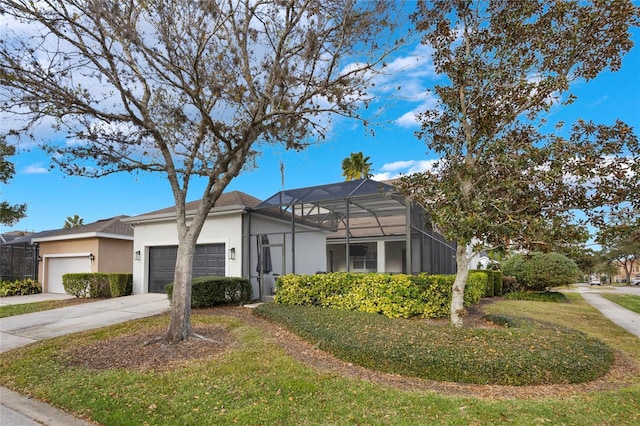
{"x": 102, "y": 246}
{"x": 358, "y": 226}
{"x": 621, "y": 273}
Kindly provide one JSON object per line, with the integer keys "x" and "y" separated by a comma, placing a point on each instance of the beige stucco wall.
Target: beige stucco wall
{"x": 111, "y": 255}
{"x": 78, "y": 247}
{"x": 114, "y": 256}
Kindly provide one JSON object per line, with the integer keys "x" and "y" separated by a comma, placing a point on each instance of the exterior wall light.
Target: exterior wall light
{"x": 232, "y": 253}
{"x": 92, "y": 257}
{"x": 137, "y": 255}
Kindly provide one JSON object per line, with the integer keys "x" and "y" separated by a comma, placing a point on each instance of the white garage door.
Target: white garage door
{"x": 58, "y": 266}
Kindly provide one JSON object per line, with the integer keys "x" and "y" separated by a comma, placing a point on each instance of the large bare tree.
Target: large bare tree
{"x": 506, "y": 176}
{"x": 191, "y": 89}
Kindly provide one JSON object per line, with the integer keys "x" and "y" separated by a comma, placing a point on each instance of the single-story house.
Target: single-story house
{"x": 228, "y": 245}
{"x": 102, "y": 246}
{"x": 359, "y": 226}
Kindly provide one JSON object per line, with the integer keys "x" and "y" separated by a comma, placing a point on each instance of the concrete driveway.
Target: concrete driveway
{"x": 20, "y": 330}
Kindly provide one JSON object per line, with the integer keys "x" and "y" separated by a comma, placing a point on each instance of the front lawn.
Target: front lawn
{"x": 628, "y": 301}
{"x": 520, "y": 352}
{"x": 27, "y": 308}
{"x": 256, "y": 381}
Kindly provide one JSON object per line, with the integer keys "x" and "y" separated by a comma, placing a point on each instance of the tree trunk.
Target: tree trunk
{"x": 180, "y": 317}
{"x": 457, "y": 295}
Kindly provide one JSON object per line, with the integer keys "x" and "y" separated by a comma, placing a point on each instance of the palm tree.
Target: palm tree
{"x": 356, "y": 166}
{"x": 73, "y": 222}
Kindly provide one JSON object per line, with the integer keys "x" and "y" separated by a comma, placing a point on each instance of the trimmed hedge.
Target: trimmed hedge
{"x": 212, "y": 291}
{"x": 489, "y": 288}
{"x": 497, "y": 283}
{"x": 394, "y": 296}
{"x": 98, "y": 284}
{"x": 86, "y": 284}
{"x": 120, "y": 284}
{"x": 19, "y": 287}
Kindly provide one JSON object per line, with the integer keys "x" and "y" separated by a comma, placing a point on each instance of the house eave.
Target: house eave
{"x": 163, "y": 217}
{"x": 83, "y": 235}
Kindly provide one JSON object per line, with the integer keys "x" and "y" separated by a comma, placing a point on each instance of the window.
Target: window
{"x": 364, "y": 257}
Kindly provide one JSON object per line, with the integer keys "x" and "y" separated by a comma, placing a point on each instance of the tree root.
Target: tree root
{"x": 163, "y": 339}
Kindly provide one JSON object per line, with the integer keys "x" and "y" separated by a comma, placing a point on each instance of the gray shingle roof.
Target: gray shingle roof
{"x": 112, "y": 226}
{"x": 233, "y": 198}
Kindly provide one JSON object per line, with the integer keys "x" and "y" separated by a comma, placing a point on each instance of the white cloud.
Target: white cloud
{"x": 35, "y": 169}
{"x": 408, "y": 79}
{"x": 398, "y": 168}
{"x": 380, "y": 177}
{"x": 410, "y": 119}
{"x": 417, "y": 63}
{"x": 398, "y": 165}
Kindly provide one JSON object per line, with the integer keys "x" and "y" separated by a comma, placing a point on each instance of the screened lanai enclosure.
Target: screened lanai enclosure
{"x": 18, "y": 258}
{"x": 369, "y": 226}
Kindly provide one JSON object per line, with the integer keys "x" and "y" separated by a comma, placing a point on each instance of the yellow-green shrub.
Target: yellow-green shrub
{"x": 19, "y": 287}
{"x": 391, "y": 295}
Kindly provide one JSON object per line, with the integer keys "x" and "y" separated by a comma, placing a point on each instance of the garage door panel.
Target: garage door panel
{"x": 58, "y": 266}
{"x": 209, "y": 260}
{"x": 162, "y": 262}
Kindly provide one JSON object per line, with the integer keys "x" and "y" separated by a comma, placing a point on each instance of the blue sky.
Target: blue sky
{"x": 394, "y": 149}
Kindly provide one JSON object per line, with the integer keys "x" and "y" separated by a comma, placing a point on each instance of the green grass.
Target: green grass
{"x": 628, "y": 301}
{"x": 27, "y": 308}
{"x": 524, "y": 353}
{"x": 256, "y": 382}
{"x": 546, "y": 296}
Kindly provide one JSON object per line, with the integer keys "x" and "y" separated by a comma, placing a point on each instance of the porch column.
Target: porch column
{"x": 382, "y": 263}
{"x": 408, "y": 237}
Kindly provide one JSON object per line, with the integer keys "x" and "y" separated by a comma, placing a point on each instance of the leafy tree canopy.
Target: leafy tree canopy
{"x": 503, "y": 178}
{"x": 619, "y": 237}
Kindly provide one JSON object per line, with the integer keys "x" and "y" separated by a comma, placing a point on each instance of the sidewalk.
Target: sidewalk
{"x": 620, "y": 316}
{"x": 16, "y": 331}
